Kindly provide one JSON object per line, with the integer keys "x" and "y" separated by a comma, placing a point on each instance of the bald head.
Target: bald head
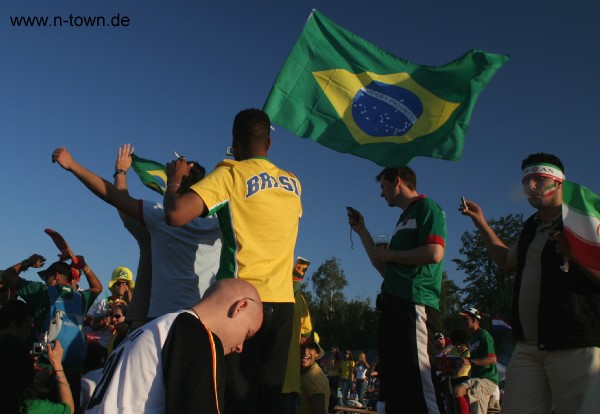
{"x": 232, "y": 309}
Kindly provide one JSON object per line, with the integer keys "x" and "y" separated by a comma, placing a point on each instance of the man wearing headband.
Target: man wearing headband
{"x": 556, "y": 309}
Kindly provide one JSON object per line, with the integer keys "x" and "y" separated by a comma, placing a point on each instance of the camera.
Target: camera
{"x": 41, "y": 347}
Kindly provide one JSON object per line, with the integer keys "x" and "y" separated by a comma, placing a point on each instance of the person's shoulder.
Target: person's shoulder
{"x": 286, "y": 172}
{"x": 196, "y": 332}
{"x": 26, "y": 282}
{"x": 89, "y": 295}
{"x": 428, "y": 203}
{"x": 25, "y": 286}
{"x": 226, "y": 164}
{"x": 186, "y": 317}
{"x": 486, "y": 333}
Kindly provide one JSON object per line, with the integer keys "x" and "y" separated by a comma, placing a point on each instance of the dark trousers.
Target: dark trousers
{"x": 334, "y": 383}
{"x": 255, "y": 377}
{"x": 406, "y": 350}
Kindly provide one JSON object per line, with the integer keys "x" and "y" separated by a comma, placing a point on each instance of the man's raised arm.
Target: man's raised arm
{"x": 97, "y": 185}
{"x": 496, "y": 248}
{"x": 11, "y": 275}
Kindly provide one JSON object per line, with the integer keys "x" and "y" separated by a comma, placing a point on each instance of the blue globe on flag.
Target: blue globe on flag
{"x": 383, "y": 110}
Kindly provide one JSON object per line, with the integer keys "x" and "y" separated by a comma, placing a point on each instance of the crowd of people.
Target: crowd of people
{"x": 213, "y": 322}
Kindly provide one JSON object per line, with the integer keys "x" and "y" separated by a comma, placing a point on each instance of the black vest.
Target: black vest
{"x": 569, "y": 309}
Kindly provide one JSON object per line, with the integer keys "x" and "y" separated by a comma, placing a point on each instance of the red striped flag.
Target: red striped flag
{"x": 581, "y": 220}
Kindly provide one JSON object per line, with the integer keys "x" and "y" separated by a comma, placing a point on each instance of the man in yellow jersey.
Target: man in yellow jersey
{"x": 258, "y": 206}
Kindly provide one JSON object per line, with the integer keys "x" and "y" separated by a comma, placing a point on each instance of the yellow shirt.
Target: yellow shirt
{"x": 347, "y": 367}
{"x": 258, "y": 206}
{"x": 302, "y": 327}
{"x": 462, "y": 351}
{"x": 314, "y": 381}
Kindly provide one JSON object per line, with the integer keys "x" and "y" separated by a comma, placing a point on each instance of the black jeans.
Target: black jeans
{"x": 255, "y": 377}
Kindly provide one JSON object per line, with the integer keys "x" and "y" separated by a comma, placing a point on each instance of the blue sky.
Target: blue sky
{"x": 177, "y": 75}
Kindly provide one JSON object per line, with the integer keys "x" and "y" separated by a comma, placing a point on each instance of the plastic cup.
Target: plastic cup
{"x": 381, "y": 240}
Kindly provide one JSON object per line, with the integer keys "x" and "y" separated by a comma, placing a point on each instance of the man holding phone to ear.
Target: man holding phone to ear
{"x": 412, "y": 278}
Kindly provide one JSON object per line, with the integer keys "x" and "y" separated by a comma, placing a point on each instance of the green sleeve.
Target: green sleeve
{"x": 34, "y": 293}
{"x": 88, "y": 300}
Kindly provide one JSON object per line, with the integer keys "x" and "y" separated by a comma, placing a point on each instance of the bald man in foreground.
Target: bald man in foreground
{"x": 174, "y": 364}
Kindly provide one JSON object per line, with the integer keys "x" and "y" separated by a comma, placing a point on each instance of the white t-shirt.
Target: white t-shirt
{"x": 166, "y": 362}
{"x": 185, "y": 259}
{"x": 361, "y": 371}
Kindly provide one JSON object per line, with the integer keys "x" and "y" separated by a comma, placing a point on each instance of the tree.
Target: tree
{"x": 329, "y": 282}
{"x": 349, "y": 324}
{"x": 487, "y": 287}
{"x": 450, "y": 304}
{"x": 357, "y": 328}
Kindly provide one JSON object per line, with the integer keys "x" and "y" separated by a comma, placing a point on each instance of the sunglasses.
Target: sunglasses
{"x": 116, "y": 316}
{"x": 121, "y": 283}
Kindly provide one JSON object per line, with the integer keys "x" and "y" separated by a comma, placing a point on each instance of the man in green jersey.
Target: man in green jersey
{"x": 411, "y": 268}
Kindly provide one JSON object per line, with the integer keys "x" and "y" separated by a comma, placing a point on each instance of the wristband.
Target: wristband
{"x": 25, "y": 265}
{"x": 119, "y": 171}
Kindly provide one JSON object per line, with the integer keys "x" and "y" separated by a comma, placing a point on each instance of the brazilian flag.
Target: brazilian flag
{"x": 351, "y": 96}
{"x": 153, "y": 174}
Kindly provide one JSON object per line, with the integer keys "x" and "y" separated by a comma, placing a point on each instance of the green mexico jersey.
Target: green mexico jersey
{"x": 482, "y": 345}
{"x": 421, "y": 223}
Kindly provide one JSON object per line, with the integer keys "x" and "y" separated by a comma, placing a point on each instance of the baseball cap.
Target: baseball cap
{"x": 60, "y": 267}
{"x": 122, "y": 273}
{"x": 314, "y": 339}
{"x": 470, "y": 312}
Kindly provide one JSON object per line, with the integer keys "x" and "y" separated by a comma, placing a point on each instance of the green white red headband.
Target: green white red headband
{"x": 544, "y": 170}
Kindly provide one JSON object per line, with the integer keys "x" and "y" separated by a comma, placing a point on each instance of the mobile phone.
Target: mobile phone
{"x": 229, "y": 151}
{"x": 352, "y": 213}
{"x": 463, "y": 203}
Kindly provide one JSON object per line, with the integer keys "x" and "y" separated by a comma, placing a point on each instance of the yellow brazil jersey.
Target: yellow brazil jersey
{"x": 258, "y": 206}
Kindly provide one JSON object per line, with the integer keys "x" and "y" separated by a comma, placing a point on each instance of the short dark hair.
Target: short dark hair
{"x": 197, "y": 173}
{"x": 252, "y": 125}
{"x": 542, "y": 157}
{"x": 406, "y": 174}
